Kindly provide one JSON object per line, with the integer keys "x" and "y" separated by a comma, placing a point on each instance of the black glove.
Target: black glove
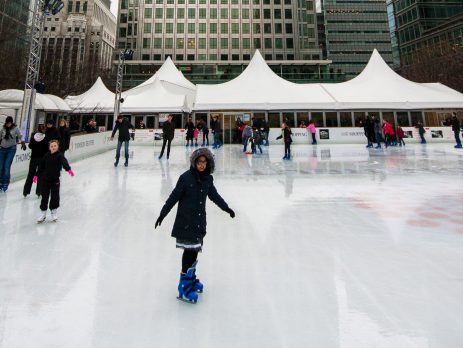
{"x": 159, "y": 221}
{"x": 23, "y": 146}
{"x": 231, "y": 212}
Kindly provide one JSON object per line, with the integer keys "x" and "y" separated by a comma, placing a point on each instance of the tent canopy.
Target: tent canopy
{"x": 153, "y": 97}
{"x": 97, "y": 99}
{"x": 259, "y": 88}
{"x": 379, "y": 87}
{"x": 168, "y": 72}
{"x": 13, "y": 98}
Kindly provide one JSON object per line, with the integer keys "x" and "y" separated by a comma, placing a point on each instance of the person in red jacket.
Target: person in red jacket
{"x": 388, "y": 133}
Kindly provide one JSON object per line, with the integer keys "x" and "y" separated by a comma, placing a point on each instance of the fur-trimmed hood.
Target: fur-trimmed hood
{"x": 206, "y": 153}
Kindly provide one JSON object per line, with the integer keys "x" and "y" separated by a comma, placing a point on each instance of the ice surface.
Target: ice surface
{"x": 340, "y": 247}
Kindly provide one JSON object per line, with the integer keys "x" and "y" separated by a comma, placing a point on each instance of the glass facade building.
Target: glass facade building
{"x": 212, "y": 39}
{"x": 422, "y": 23}
{"x": 353, "y": 29}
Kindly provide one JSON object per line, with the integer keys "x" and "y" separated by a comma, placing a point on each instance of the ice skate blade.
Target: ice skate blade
{"x": 185, "y": 300}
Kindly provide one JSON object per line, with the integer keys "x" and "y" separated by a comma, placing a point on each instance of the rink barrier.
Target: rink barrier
{"x": 81, "y": 146}
{"x": 324, "y": 135}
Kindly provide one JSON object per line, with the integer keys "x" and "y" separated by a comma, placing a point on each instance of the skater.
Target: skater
{"x": 256, "y": 141}
{"x": 190, "y": 130}
{"x": 456, "y": 129}
{"x": 196, "y": 134}
{"x": 421, "y": 132}
{"x": 286, "y": 135}
{"x": 10, "y": 135}
{"x": 168, "y": 132}
{"x": 90, "y": 127}
{"x": 192, "y": 189}
{"x": 51, "y": 132}
{"x": 369, "y": 129}
{"x": 123, "y": 125}
{"x": 205, "y": 133}
{"x": 217, "y": 131}
{"x": 400, "y": 135}
{"x": 39, "y": 147}
{"x": 65, "y": 136}
{"x": 388, "y": 133}
{"x": 266, "y": 129}
{"x": 313, "y": 131}
{"x": 378, "y": 132}
{"x": 49, "y": 172}
{"x": 246, "y": 135}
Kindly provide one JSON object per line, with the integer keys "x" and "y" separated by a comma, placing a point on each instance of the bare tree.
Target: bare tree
{"x": 441, "y": 62}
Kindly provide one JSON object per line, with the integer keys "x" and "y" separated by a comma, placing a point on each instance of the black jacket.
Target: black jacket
{"x": 191, "y": 193}
{"x": 168, "y": 130}
{"x": 65, "y": 136}
{"x": 286, "y": 135}
{"x": 455, "y": 124}
{"x": 52, "y": 134}
{"x": 90, "y": 129}
{"x": 123, "y": 127}
{"x": 190, "y": 128}
{"x": 39, "y": 147}
{"x": 51, "y": 165}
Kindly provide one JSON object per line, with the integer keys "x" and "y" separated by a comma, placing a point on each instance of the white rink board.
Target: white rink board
{"x": 81, "y": 146}
{"x": 357, "y": 136}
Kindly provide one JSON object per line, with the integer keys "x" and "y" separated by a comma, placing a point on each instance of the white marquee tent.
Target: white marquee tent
{"x": 379, "y": 87}
{"x": 259, "y": 88}
{"x": 13, "y": 99}
{"x": 153, "y": 97}
{"x": 98, "y": 99}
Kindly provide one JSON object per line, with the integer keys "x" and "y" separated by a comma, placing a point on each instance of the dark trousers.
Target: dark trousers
{"x": 189, "y": 257}
{"x": 288, "y": 150}
{"x": 164, "y": 141}
{"x": 401, "y": 141}
{"x": 50, "y": 190}
{"x": 126, "y": 149}
{"x": 423, "y": 140}
{"x": 206, "y": 138}
{"x": 33, "y": 166}
{"x": 217, "y": 139}
{"x": 457, "y": 137}
{"x": 314, "y": 139}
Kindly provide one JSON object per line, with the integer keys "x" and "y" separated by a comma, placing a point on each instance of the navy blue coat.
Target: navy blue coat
{"x": 191, "y": 193}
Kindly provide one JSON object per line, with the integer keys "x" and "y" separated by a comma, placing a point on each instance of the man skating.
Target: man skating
{"x": 168, "y": 132}
{"x": 122, "y": 125}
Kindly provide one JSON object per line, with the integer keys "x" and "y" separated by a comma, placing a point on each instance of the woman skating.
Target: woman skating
{"x": 192, "y": 189}
{"x": 49, "y": 172}
{"x": 286, "y": 135}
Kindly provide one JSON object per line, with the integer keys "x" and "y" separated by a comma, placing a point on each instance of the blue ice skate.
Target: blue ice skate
{"x": 458, "y": 146}
{"x": 186, "y": 287}
{"x": 199, "y": 287}
{"x": 126, "y": 163}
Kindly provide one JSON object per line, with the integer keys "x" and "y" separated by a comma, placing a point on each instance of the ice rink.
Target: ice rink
{"x": 340, "y": 247}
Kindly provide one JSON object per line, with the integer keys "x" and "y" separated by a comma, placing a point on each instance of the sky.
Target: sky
{"x": 114, "y": 4}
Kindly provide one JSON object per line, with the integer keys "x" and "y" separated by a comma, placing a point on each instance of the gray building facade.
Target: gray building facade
{"x": 353, "y": 29}
{"x": 212, "y": 39}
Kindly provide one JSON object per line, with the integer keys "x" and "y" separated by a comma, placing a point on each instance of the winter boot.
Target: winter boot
{"x": 186, "y": 287}
{"x": 126, "y": 163}
{"x": 42, "y": 217}
{"x": 54, "y": 215}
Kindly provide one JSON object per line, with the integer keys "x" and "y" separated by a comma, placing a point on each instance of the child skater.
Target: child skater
{"x": 191, "y": 191}
{"x": 49, "y": 172}
{"x": 286, "y": 135}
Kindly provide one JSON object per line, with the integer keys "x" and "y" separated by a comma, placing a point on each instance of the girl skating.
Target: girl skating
{"x": 49, "y": 172}
{"x": 192, "y": 189}
{"x": 286, "y": 135}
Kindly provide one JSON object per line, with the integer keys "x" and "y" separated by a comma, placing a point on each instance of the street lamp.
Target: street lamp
{"x": 41, "y": 9}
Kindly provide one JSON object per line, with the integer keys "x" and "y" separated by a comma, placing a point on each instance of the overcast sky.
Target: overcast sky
{"x": 114, "y": 4}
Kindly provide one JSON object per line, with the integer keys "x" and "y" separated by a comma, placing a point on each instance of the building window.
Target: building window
{"x": 77, "y": 6}
{"x": 267, "y": 28}
{"x": 278, "y": 28}
{"x": 246, "y": 43}
{"x": 288, "y": 14}
{"x": 180, "y": 13}
{"x": 213, "y": 43}
{"x": 147, "y": 28}
{"x": 149, "y": 13}
{"x": 224, "y": 13}
{"x": 279, "y": 43}
{"x": 157, "y": 42}
{"x": 179, "y": 57}
{"x": 267, "y": 14}
{"x": 158, "y": 12}
{"x": 245, "y": 28}
{"x": 191, "y": 43}
{"x": 289, "y": 28}
{"x": 145, "y": 57}
{"x": 224, "y": 43}
{"x": 169, "y": 13}
{"x": 146, "y": 42}
{"x": 202, "y": 13}
{"x": 180, "y": 43}
{"x": 268, "y": 42}
{"x": 235, "y": 13}
{"x": 169, "y": 28}
{"x": 277, "y": 14}
{"x": 180, "y": 28}
{"x": 202, "y": 28}
{"x": 235, "y": 43}
{"x": 191, "y": 13}
{"x": 224, "y": 28}
{"x": 256, "y": 28}
{"x": 224, "y": 57}
{"x": 257, "y": 43}
{"x": 289, "y": 43}
{"x": 235, "y": 28}
{"x": 201, "y": 43}
{"x": 213, "y": 13}
{"x": 213, "y": 28}
{"x": 191, "y": 28}
{"x": 245, "y": 13}
{"x": 169, "y": 42}
{"x": 158, "y": 28}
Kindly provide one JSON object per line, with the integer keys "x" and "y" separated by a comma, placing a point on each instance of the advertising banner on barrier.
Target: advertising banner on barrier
{"x": 80, "y": 146}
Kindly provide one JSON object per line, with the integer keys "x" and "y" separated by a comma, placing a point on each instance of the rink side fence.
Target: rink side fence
{"x": 84, "y": 146}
